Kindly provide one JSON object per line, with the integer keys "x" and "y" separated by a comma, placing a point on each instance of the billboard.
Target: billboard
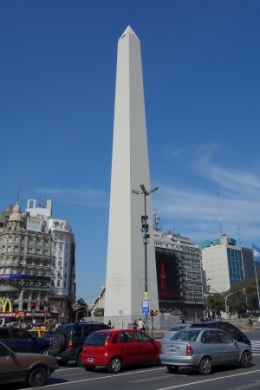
{"x": 167, "y": 274}
{"x": 36, "y": 224}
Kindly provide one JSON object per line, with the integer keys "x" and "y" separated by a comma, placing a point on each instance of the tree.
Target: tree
{"x": 99, "y": 312}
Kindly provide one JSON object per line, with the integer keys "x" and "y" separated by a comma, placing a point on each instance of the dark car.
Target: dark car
{"x": 20, "y": 340}
{"x": 232, "y": 330}
{"x": 67, "y": 340}
{"x": 25, "y": 367}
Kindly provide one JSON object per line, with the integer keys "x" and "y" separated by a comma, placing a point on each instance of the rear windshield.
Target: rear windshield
{"x": 97, "y": 339}
{"x": 190, "y": 335}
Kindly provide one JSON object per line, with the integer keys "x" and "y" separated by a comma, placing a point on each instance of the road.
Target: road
{"x": 152, "y": 377}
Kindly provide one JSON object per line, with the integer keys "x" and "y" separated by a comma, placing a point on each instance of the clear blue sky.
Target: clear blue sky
{"x": 201, "y": 66}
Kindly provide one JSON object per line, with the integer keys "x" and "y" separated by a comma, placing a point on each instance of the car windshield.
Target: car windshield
{"x": 186, "y": 335}
{"x": 97, "y": 339}
{"x": 175, "y": 329}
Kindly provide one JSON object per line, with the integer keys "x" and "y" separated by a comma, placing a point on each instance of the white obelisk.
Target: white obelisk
{"x": 125, "y": 277}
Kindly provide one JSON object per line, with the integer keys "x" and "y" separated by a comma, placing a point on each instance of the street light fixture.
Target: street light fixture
{"x": 146, "y": 193}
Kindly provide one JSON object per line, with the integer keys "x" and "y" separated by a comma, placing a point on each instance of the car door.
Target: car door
{"x": 9, "y": 366}
{"x": 23, "y": 341}
{"x": 213, "y": 346}
{"x": 230, "y": 348}
{"x": 148, "y": 351}
{"x": 127, "y": 348}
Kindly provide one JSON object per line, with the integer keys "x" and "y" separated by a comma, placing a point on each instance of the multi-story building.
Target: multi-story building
{"x": 37, "y": 263}
{"x": 225, "y": 263}
{"x": 179, "y": 275}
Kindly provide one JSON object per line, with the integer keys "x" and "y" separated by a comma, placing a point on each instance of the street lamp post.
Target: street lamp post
{"x": 146, "y": 193}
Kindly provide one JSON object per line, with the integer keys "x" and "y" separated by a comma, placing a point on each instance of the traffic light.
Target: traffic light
{"x": 208, "y": 287}
{"x": 244, "y": 291}
{"x": 153, "y": 313}
{"x": 145, "y": 226}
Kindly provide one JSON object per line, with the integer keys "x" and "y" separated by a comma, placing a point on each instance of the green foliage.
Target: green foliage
{"x": 98, "y": 312}
{"x": 239, "y": 302}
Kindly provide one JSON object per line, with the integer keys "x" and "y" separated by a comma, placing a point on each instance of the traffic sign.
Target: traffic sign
{"x": 145, "y": 306}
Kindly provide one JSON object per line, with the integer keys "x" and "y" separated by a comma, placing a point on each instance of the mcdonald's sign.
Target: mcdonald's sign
{"x": 6, "y": 305}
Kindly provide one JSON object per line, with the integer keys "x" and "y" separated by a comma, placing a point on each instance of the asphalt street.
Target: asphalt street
{"x": 152, "y": 377}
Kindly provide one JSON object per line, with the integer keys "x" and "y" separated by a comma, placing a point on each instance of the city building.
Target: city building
{"x": 226, "y": 264}
{"x": 37, "y": 264}
{"x": 179, "y": 274}
{"x": 126, "y": 272}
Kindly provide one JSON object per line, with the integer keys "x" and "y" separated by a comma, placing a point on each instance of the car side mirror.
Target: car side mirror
{"x": 234, "y": 341}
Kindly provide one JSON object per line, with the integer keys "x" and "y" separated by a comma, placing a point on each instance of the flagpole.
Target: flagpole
{"x": 256, "y": 278}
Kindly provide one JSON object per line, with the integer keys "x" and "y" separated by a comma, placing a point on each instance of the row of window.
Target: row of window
{"x": 18, "y": 239}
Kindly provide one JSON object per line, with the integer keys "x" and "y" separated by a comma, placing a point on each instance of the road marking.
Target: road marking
{"x": 102, "y": 377}
{"x": 207, "y": 380}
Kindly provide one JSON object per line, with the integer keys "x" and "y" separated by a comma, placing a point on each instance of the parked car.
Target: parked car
{"x": 115, "y": 348}
{"x": 174, "y": 330}
{"x": 231, "y": 329}
{"x": 20, "y": 340}
{"x": 203, "y": 348}
{"x": 67, "y": 340}
{"x": 25, "y": 367}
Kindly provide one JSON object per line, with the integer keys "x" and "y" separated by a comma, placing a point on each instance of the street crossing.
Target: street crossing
{"x": 255, "y": 346}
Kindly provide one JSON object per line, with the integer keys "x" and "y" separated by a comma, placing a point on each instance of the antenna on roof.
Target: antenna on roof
{"x": 18, "y": 195}
{"x": 156, "y": 218}
{"x": 239, "y": 235}
{"x": 219, "y": 216}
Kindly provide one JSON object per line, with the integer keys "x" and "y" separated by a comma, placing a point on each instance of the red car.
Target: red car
{"x": 115, "y": 348}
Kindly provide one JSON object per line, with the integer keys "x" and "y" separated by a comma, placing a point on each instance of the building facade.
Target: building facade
{"x": 226, "y": 264}
{"x": 179, "y": 273}
{"x": 37, "y": 264}
{"x": 179, "y": 276}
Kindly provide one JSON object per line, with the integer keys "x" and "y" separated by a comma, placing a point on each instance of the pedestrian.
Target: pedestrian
{"x": 109, "y": 323}
{"x": 144, "y": 327}
{"x": 135, "y": 325}
{"x": 140, "y": 325}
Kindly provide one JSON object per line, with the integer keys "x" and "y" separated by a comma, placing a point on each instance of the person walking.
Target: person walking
{"x": 140, "y": 325}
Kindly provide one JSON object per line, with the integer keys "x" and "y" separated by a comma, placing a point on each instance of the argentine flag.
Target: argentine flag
{"x": 256, "y": 253}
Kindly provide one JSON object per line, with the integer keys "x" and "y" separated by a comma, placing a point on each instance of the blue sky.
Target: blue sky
{"x": 201, "y": 66}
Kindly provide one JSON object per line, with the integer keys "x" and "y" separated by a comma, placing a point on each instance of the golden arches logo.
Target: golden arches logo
{"x": 6, "y": 305}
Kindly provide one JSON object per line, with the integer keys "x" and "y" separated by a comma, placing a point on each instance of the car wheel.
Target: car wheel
{"x": 44, "y": 351}
{"x": 58, "y": 343}
{"x": 115, "y": 365}
{"x": 89, "y": 368}
{"x": 79, "y": 361}
{"x": 172, "y": 368}
{"x": 62, "y": 362}
{"x": 205, "y": 366}
{"x": 37, "y": 377}
{"x": 159, "y": 363}
{"x": 245, "y": 359}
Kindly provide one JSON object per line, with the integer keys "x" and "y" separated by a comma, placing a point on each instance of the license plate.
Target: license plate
{"x": 90, "y": 359}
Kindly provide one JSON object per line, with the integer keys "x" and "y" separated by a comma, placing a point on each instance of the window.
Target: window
{"x": 210, "y": 337}
{"x": 4, "y": 334}
{"x": 21, "y": 334}
{"x": 125, "y": 337}
{"x": 141, "y": 337}
{"x": 225, "y": 338}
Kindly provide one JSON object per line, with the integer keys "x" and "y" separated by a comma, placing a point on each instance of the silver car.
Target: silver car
{"x": 171, "y": 332}
{"x": 203, "y": 348}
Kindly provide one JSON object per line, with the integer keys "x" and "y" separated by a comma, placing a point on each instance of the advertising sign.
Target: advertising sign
{"x": 36, "y": 224}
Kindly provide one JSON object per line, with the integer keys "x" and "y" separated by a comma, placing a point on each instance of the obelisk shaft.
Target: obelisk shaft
{"x": 130, "y": 168}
